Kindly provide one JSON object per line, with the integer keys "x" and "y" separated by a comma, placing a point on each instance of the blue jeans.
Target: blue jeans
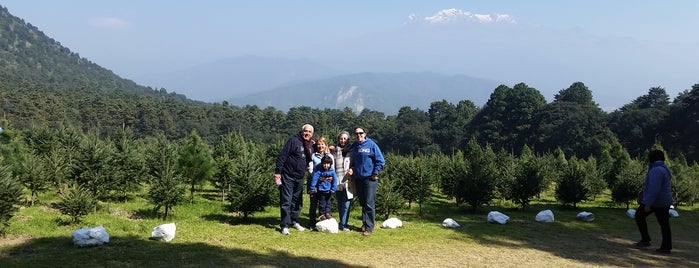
{"x": 324, "y": 202}
{"x": 290, "y": 199}
{"x": 343, "y": 208}
{"x": 366, "y": 190}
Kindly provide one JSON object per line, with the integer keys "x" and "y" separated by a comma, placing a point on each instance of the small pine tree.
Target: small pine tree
{"x": 196, "y": 162}
{"x": 10, "y": 196}
{"x": 251, "y": 189}
{"x": 571, "y": 185}
{"x": 166, "y": 184}
{"x": 77, "y": 203}
{"x": 628, "y": 183}
{"x": 388, "y": 199}
{"x": 166, "y": 191}
{"x": 529, "y": 179}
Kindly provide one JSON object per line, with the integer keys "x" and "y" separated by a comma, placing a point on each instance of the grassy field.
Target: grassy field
{"x": 208, "y": 236}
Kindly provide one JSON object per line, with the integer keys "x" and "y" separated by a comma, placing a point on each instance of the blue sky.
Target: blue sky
{"x": 135, "y": 38}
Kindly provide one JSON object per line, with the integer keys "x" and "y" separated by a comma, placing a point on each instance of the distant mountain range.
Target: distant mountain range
{"x": 286, "y": 83}
{"x": 235, "y": 77}
{"x": 384, "y": 92}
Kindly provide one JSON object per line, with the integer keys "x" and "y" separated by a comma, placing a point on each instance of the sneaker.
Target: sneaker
{"x": 662, "y": 251}
{"x": 642, "y": 244}
{"x": 298, "y": 226}
{"x": 285, "y": 231}
{"x": 345, "y": 229}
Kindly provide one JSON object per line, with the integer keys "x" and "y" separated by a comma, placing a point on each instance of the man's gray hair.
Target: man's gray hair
{"x": 305, "y": 126}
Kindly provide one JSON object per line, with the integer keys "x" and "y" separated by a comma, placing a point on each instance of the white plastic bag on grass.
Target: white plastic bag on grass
{"x": 392, "y": 223}
{"x": 631, "y": 213}
{"x": 86, "y": 237}
{"x": 164, "y": 232}
{"x": 497, "y": 217}
{"x": 674, "y": 213}
{"x": 328, "y": 226}
{"x": 544, "y": 216}
{"x": 450, "y": 223}
{"x": 585, "y": 216}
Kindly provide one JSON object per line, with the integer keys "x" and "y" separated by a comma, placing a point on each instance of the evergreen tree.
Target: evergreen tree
{"x": 129, "y": 164}
{"x": 231, "y": 147}
{"x": 475, "y": 187}
{"x": 10, "y": 195}
{"x": 629, "y": 183}
{"x": 529, "y": 179}
{"x": 33, "y": 177}
{"x": 166, "y": 184}
{"x": 196, "y": 162}
{"x": 94, "y": 166}
{"x": 77, "y": 202}
{"x": 685, "y": 181}
{"x": 251, "y": 188}
{"x": 388, "y": 199}
{"x": 571, "y": 185}
{"x": 506, "y": 168}
{"x": 594, "y": 181}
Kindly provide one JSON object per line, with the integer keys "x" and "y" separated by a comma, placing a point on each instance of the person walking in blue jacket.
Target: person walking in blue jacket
{"x": 367, "y": 162}
{"x": 323, "y": 185}
{"x": 657, "y": 197}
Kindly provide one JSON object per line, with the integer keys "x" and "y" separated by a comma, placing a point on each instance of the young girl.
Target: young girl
{"x": 321, "y": 150}
{"x": 323, "y": 185}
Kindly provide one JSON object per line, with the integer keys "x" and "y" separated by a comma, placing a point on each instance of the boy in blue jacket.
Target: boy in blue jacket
{"x": 323, "y": 184}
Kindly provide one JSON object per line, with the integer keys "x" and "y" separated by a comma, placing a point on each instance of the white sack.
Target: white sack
{"x": 328, "y": 226}
{"x": 164, "y": 232}
{"x": 544, "y": 216}
{"x": 497, "y": 217}
{"x": 674, "y": 213}
{"x": 450, "y": 223}
{"x": 631, "y": 213}
{"x": 392, "y": 223}
{"x": 585, "y": 216}
{"x": 90, "y": 236}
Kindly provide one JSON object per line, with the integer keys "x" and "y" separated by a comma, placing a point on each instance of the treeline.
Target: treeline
{"x": 85, "y": 169}
{"x": 512, "y": 117}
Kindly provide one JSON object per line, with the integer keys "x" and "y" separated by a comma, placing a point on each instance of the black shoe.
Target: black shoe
{"x": 662, "y": 251}
{"x": 642, "y": 244}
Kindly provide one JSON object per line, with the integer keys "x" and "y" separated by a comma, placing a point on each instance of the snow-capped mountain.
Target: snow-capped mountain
{"x": 454, "y": 15}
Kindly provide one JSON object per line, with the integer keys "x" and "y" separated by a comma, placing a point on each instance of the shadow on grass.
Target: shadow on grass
{"x": 267, "y": 222}
{"x": 605, "y": 241}
{"x": 135, "y": 252}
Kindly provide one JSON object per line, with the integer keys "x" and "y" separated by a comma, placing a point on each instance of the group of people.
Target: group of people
{"x": 344, "y": 170}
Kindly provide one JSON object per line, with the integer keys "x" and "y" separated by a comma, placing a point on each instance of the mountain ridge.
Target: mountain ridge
{"x": 384, "y": 92}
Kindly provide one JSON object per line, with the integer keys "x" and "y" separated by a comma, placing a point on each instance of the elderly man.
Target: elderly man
{"x": 290, "y": 169}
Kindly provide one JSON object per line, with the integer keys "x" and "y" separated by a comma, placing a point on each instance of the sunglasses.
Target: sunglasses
{"x": 359, "y": 133}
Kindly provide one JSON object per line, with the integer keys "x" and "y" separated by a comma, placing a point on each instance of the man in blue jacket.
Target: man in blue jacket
{"x": 292, "y": 164}
{"x": 367, "y": 161}
{"x": 657, "y": 197}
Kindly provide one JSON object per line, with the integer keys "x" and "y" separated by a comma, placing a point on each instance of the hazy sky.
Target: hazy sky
{"x": 134, "y": 38}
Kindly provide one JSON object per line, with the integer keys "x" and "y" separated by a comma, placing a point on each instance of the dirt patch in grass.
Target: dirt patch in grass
{"x": 11, "y": 246}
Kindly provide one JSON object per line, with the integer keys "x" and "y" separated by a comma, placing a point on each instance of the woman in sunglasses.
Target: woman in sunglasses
{"x": 367, "y": 161}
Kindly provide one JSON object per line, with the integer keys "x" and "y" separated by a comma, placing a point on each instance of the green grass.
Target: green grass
{"x": 208, "y": 236}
